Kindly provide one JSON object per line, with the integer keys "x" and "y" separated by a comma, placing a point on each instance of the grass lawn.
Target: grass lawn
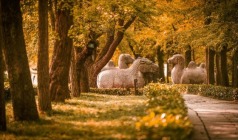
{"x": 91, "y": 116}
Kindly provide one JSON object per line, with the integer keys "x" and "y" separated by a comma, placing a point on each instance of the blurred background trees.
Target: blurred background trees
{"x": 151, "y": 29}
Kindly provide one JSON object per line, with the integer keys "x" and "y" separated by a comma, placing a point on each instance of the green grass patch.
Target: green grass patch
{"x": 91, "y": 116}
{"x": 158, "y": 114}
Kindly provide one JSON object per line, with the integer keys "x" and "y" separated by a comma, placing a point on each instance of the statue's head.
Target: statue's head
{"x": 147, "y": 66}
{"x": 192, "y": 65}
{"x": 126, "y": 58}
{"x": 176, "y": 59}
{"x": 202, "y": 65}
{"x": 110, "y": 64}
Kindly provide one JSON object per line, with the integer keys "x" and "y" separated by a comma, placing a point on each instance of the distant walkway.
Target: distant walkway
{"x": 212, "y": 119}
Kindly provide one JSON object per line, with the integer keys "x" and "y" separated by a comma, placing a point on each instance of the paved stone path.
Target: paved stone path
{"x": 213, "y": 119}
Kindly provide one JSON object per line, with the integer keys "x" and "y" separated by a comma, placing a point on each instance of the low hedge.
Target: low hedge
{"x": 217, "y": 92}
{"x": 116, "y": 91}
{"x": 167, "y": 114}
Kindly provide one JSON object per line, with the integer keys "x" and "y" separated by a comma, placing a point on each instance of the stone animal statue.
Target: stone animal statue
{"x": 123, "y": 62}
{"x": 190, "y": 75}
{"x": 124, "y": 78}
{"x": 194, "y": 75}
{"x": 109, "y": 65}
{"x": 176, "y": 73}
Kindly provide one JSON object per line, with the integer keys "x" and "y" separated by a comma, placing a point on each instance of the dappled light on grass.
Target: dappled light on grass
{"x": 91, "y": 116}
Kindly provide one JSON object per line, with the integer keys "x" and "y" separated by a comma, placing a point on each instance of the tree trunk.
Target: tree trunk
{"x": 218, "y": 69}
{"x": 75, "y": 86}
{"x": 160, "y": 57}
{"x": 59, "y": 70}
{"x": 81, "y": 57}
{"x": 84, "y": 83}
{"x": 43, "y": 59}
{"x": 3, "y": 124}
{"x": 23, "y": 95}
{"x": 224, "y": 73}
{"x": 52, "y": 15}
{"x": 235, "y": 68}
{"x": 210, "y": 65}
{"x": 188, "y": 55}
{"x": 96, "y": 67}
{"x": 168, "y": 74}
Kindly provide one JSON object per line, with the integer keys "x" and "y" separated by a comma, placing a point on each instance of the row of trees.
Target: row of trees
{"x": 53, "y": 80}
{"x": 83, "y": 28}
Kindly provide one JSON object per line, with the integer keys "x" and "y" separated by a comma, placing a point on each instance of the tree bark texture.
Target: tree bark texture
{"x": 59, "y": 70}
{"x": 96, "y": 67}
{"x": 52, "y": 14}
{"x": 75, "y": 86}
{"x": 224, "y": 73}
{"x": 23, "y": 95}
{"x": 43, "y": 58}
{"x": 84, "y": 83}
{"x": 81, "y": 56}
{"x": 160, "y": 57}
{"x": 188, "y": 55}
{"x": 218, "y": 69}
{"x": 235, "y": 68}
{"x": 210, "y": 65}
{"x": 3, "y": 124}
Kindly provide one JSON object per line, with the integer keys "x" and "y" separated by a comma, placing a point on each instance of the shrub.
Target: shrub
{"x": 115, "y": 91}
{"x": 217, "y": 92}
{"x": 167, "y": 114}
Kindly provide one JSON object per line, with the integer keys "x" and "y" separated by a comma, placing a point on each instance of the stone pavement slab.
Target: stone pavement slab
{"x": 212, "y": 119}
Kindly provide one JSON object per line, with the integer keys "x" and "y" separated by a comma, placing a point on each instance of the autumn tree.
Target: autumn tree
{"x": 23, "y": 96}
{"x": 3, "y": 124}
{"x": 43, "y": 58}
{"x": 170, "y": 29}
{"x": 59, "y": 69}
{"x": 80, "y": 55}
{"x": 108, "y": 20}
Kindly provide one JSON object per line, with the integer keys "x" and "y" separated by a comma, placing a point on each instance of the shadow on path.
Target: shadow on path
{"x": 212, "y": 119}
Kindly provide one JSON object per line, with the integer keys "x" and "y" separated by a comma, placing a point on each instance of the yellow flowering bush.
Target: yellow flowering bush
{"x": 167, "y": 114}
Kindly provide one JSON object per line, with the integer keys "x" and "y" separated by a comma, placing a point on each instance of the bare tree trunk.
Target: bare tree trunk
{"x": 235, "y": 68}
{"x": 188, "y": 55}
{"x": 59, "y": 70}
{"x": 3, "y": 123}
{"x": 23, "y": 95}
{"x": 210, "y": 65}
{"x": 218, "y": 69}
{"x": 168, "y": 73}
{"x": 52, "y": 14}
{"x": 81, "y": 57}
{"x": 224, "y": 73}
{"x": 84, "y": 83}
{"x": 75, "y": 86}
{"x": 43, "y": 59}
{"x": 160, "y": 57}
